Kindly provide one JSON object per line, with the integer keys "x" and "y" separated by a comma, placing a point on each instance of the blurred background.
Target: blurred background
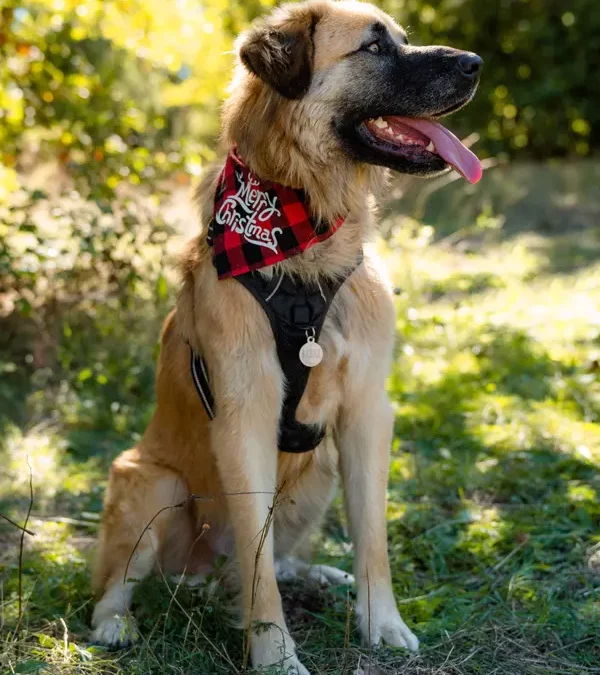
{"x": 109, "y": 112}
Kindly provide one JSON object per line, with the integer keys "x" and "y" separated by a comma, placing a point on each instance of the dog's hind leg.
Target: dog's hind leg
{"x": 310, "y": 482}
{"x": 139, "y": 496}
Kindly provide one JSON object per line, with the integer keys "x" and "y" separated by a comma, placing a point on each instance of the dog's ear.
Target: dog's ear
{"x": 282, "y": 55}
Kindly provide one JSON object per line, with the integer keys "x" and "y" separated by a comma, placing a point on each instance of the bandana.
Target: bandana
{"x": 258, "y": 223}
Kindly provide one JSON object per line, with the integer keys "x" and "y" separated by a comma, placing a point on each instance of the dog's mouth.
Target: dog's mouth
{"x": 420, "y": 141}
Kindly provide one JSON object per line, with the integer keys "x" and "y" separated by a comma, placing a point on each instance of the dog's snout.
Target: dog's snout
{"x": 470, "y": 64}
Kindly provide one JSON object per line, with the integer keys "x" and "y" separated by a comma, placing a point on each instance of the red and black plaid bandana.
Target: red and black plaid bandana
{"x": 259, "y": 223}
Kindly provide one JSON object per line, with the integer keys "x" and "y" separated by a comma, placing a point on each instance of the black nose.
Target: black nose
{"x": 470, "y": 64}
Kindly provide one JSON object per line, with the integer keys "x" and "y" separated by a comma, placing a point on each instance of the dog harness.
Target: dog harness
{"x": 256, "y": 224}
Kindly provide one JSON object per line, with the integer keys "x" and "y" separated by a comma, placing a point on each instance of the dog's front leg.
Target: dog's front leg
{"x": 244, "y": 438}
{"x": 364, "y": 437}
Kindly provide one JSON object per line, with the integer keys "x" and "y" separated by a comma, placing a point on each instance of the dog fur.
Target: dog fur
{"x": 287, "y": 113}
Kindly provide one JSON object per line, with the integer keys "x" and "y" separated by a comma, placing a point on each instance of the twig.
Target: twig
{"x": 370, "y": 663}
{"x": 21, "y": 546}
{"x": 439, "y": 526}
{"x": 19, "y": 527}
{"x": 439, "y": 670}
{"x": 181, "y": 578}
{"x": 572, "y": 644}
{"x": 347, "y": 631}
{"x": 506, "y": 558}
{"x": 255, "y": 578}
{"x": 442, "y": 181}
{"x": 148, "y": 526}
{"x": 188, "y": 500}
{"x": 67, "y": 521}
{"x": 65, "y": 638}
{"x": 416, "y": 598}
{"x": 174, "y": 598}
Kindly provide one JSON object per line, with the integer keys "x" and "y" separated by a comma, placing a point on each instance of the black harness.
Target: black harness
{"x": 296, "y": 312}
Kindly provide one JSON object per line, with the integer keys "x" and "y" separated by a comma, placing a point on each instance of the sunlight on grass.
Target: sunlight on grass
{"x": 566, "y": 432}
{"x": 54, "y": 479}
{"x": 43, "y": 451}
{"x": 494, "y": 482}
{"x": 482, "y": 536}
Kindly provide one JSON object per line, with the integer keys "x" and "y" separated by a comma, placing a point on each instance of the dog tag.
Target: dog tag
{"x": 311, "y": 353}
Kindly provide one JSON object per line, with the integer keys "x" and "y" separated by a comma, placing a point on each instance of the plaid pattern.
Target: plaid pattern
{"x": 259, "y": 223}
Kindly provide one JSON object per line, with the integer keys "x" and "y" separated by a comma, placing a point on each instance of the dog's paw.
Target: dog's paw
{"x": 286, "y": 569}
{"x": 188, "y": 580}
{"x": 387, "y": 625}
{"x": 330, "y": 576}
{"x": 291, "y": 568}
{"x": 274, "y": 652}
{"x": 293, "y": 666}
{"x": 397, "y": 634}
{"x": 115, "y": 631}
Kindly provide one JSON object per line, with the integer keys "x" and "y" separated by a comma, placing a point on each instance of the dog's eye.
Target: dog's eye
{"x": 374, "y": 48}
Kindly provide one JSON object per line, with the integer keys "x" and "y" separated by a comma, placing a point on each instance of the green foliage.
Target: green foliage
{"x": 71, "y": 89}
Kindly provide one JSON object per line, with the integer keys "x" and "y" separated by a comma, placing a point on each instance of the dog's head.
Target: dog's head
{"x": 341, "y": 78}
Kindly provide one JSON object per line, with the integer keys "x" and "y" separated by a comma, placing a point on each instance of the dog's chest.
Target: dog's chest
{"x": 357, "y": 342}
{"x": 343, "y": 359}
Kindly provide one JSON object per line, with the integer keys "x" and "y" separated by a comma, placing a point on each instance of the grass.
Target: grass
{"x": 494, "y": 510}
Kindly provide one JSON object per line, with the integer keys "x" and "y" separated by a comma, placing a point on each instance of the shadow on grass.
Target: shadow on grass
{"x": 16, "y": 338}
{"x": 93, "y": 380}
{"x": 494, "y": 523}
{"x": 568, "y": 253}
{"x": 460, "y": 285}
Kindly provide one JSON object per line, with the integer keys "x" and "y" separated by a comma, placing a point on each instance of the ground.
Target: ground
{"x": 494, "y": 513}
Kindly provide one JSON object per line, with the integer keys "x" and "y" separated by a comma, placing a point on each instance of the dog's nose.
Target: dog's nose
{"x": 470, "y": 64}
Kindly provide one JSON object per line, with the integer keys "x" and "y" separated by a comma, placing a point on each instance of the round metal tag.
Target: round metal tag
{"x": 311, "y": 353}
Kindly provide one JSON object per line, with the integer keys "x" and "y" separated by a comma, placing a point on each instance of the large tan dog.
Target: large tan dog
{"x": 326, "y": 96}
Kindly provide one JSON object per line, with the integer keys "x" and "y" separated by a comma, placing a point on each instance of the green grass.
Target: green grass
{"x": 494, "y": 511}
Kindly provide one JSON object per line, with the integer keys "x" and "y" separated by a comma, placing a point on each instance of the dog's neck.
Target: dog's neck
{"x": 333, "y": 183}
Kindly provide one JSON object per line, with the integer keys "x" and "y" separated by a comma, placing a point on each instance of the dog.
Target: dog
{"x": 258, "y": 413}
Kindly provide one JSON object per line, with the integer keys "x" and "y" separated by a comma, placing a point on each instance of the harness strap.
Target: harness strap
{"x": 295, "y": 311}
{"x": 200, "y": 378}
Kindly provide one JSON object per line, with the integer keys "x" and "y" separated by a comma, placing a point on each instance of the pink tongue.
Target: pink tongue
{"x": 448, "y": 147}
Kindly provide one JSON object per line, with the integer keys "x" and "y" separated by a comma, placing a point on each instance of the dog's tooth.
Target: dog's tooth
{"x": 380, "y": 123}
{"x": 430, "y": 147}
